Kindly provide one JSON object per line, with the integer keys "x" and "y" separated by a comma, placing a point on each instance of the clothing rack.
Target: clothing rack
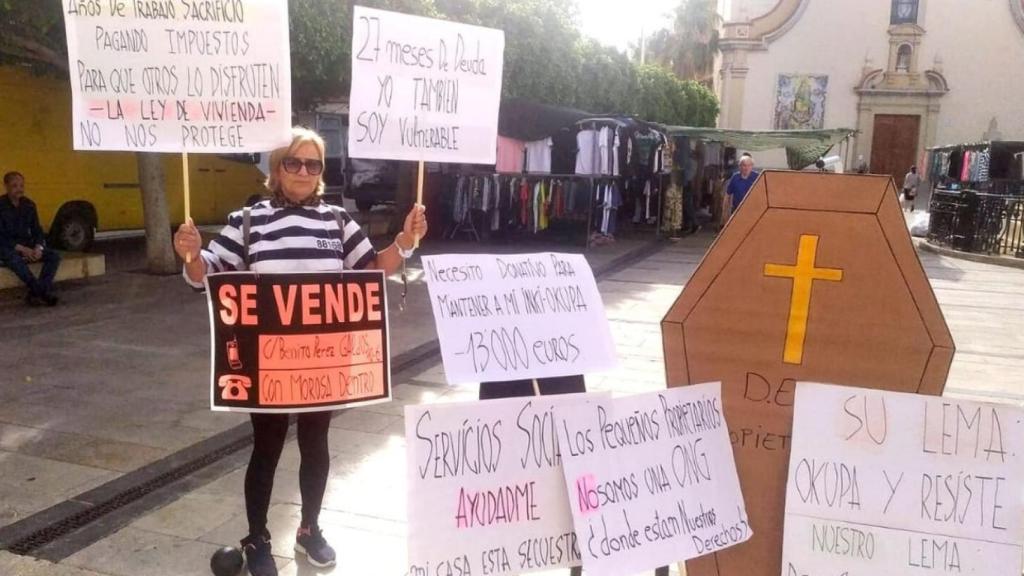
{"x": 502, "y": 203}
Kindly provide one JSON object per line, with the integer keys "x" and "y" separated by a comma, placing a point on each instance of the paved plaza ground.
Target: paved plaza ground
{"x": 115, "y": 378}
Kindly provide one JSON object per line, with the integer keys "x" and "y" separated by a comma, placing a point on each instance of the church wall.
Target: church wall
{"x": 982, "y": 51}
{"x": 833, "y": 37}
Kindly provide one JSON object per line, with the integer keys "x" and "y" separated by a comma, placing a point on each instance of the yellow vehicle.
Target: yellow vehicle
{"x": 81, "y": 193}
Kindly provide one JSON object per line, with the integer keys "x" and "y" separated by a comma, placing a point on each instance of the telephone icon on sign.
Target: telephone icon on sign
{"x": 234, "y": 387}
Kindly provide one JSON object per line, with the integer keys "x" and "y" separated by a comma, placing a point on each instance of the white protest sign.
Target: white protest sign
{"x": 179, "y": 76}
{"x": 423, "y": 89}
{"x": 891, "y": 483}
{"x": 517, "y": 316}
{"x": 651, "y": 479}
{"x": 485, "y": 492}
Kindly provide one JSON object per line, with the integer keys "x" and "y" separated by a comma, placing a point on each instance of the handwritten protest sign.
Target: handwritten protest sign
{"x": 298, "y": 342}
{"x": 892, "y": 483}
{"x": 486, "y": 493}
{"x": 179, "y": 76}
{"x": 520, "y": 316}
{"x": 651, "y": 479}
{"x": 424, "y": 90}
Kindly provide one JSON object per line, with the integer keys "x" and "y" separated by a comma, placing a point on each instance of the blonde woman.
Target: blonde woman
{"x": 294, "y": 231}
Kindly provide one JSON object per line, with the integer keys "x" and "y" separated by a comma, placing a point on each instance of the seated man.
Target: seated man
{"x": 22, "y": 242}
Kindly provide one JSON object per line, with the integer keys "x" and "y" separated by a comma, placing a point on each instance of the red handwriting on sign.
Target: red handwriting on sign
{"x": 333, "y": 350}
{"x": 320, "y": 386}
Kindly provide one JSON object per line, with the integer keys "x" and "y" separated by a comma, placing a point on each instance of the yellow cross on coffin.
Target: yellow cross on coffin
{"x": 803, "y": 274}
{"x": 814, "y": 279}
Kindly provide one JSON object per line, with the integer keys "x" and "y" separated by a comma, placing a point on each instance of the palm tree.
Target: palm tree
{"x": 690, "y": 47}
{"x": 696, "y": 31}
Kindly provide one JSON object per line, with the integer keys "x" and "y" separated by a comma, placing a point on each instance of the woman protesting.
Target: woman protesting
{"x": 294, "y": 231}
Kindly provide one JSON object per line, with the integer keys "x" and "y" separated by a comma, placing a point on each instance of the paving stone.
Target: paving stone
{"x": 13, "y": 565}
{"x": 134, "y": 552}
{"x": 193, "y": 515}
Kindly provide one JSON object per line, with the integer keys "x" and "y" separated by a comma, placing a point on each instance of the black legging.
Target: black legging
{"x": 269, "y": 432}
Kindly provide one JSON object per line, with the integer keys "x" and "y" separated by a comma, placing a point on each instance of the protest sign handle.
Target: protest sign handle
{"x": 188, "y": 209}
{"x": 419, "y": 199}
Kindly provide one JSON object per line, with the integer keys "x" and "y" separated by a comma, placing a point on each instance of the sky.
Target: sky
{"x": 619, "y": 22}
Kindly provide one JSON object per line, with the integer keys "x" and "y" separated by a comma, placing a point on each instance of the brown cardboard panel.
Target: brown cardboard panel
{"x": 822, "y": 289}
{"x": 891, "y": 216}
{"x": 726, "y": 244}
{"x": 831, "y": 192}
{"x": 672, "y": 339}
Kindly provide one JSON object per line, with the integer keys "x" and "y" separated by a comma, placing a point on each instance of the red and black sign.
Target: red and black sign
{"x": 298, "y": 342}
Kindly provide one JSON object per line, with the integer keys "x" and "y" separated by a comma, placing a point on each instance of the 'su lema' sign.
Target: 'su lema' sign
{"x": 892, "y": 483}
{"x": 179, "y": 76}
{"x": 424, "y": 89}
{"x": 298, "y": 342}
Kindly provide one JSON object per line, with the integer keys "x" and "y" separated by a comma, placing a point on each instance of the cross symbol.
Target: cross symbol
{"x": 803, "y": 274}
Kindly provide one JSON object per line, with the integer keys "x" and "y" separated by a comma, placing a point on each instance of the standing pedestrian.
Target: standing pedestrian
{"x": 740, "y": 182}
{"x": 910, "y": 184}
{"x": 294, "y": 231}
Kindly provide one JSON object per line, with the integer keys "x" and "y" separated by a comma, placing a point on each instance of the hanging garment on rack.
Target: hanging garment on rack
{"x": 645, "y": 143}
{"x": 545, "y": 206}
{"x": 712, "y": 154}
{"x": 538, "y": 156}
{"x": 965, "y": 171}
{"x": 563, "y": 151}
{"x": 524, "y": 203}
{"x": 608, "y": 143}
{"x": 984, "y": 165}
{"x": 647, "y": 200}
{"x": 510, "y": 155}
{"x": 587, "y": 152}
{"x": 608, "y": 198}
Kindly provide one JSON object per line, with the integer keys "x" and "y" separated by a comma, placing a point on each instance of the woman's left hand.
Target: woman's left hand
{"x": 415, "y": 227}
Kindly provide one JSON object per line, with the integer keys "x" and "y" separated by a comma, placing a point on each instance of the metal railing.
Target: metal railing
{"x": 972, "y": 221}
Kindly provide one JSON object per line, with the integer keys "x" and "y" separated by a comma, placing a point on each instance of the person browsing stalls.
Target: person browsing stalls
{"x": 294, "y": 231}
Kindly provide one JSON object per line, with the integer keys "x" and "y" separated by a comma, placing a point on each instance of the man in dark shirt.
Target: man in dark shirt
{"x": 22, "y": 242}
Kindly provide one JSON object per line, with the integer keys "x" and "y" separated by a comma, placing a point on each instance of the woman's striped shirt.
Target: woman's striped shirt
{"x": 289, "y": 239}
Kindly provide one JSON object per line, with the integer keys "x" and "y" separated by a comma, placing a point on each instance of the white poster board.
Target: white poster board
{"x": 486, "y": 493}
{"x": 423, "y": 89}
{"x": 517, "y": 316}
{"x": 891, "y": 483}
{"x": 179, "y": 76}
{"x": 651, "y": 479}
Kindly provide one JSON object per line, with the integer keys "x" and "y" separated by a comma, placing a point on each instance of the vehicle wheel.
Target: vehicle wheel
{"x": 75, "y": 232}
{"x": 364, "y": 205}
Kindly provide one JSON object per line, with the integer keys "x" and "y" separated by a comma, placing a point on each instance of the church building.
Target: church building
{"x": 907, "y": 74}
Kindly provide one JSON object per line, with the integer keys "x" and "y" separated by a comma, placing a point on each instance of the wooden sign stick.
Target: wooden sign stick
{"x": 188, "y": 208}
{"x": 419, "y": 199}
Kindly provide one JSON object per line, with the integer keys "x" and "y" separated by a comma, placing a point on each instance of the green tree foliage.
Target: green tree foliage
{"x": 688, "y": 49}
{"x": 32, "y": 34}
{"x": 546, "y": 58}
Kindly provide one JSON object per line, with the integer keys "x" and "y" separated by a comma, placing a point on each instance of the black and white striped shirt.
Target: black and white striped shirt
{"x": 289, "y": 239}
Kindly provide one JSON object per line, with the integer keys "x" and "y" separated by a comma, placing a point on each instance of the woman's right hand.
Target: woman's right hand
{"x": 187, "y": 241}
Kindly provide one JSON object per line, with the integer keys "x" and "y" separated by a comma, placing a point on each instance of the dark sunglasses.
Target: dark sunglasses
{"x": 293, "y": 165}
